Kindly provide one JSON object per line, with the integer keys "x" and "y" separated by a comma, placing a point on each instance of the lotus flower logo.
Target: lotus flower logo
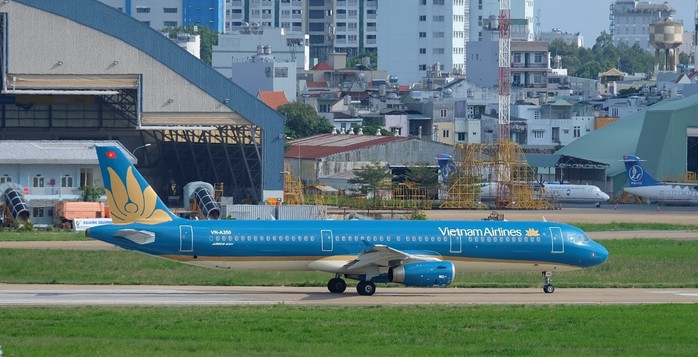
{"x": 130, "y": 203}
{"x": 532, "y": 233}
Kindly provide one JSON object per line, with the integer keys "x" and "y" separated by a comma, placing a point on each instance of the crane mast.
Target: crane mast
{"x": 504, "y": 68}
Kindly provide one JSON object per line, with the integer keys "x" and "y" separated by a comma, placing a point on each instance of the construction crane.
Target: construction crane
{"x": 504, "y": 68}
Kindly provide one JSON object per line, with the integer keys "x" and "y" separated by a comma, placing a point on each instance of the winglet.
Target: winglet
{"x": 637, "y": 176}
{"x": 130, "y": 197}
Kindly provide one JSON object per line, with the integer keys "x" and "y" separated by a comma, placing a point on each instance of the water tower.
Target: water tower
{"x": 666, "y": 36}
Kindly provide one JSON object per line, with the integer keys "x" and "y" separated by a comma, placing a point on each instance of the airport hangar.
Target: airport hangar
{"x": 81, "y": 70}
{"x": 664, "y": 135}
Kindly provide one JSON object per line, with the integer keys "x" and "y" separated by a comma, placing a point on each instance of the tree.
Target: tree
{"x": 209, "y": 38}
{"x": 370, "y": 178}
{"x": 604, "y": 55}
{"x": 356, "y": 61}
{"x": 91, "y": 193}
{"x": 423, "y": 175}
{"x": 685, "y": 58}
{"x": 302, "y": 120}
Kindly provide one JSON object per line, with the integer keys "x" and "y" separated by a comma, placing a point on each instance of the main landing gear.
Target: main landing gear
{"x": 548, "y": 288}
{"x": 337, "y": 285}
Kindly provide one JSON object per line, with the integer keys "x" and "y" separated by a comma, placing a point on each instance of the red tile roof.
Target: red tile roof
{"x": 273, "y": 99}
{"x": 311, "y": 84}
{"x": 323, "y": 145}
{"x": 322, "y": 66}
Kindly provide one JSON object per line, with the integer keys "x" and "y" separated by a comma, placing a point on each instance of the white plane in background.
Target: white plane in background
{"x": 559, "y": 192}
{"x": 645, "y": 186}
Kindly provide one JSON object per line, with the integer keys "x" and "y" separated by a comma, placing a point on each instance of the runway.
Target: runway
{"x": 100, "y": 295}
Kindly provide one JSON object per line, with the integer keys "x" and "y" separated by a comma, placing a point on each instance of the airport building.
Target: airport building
{"x": 96, "y": 74}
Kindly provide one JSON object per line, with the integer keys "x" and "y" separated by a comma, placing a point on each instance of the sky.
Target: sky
{"x": 590, "y": 17}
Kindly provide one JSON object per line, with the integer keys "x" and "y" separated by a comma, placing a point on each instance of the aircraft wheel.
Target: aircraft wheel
{"x": 366, "y": 288}
{"x": 336, "y": 285}
{"x": 548, "y": 289}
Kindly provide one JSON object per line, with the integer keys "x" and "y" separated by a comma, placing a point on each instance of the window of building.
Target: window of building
{"x": 67, "y": 181}
{"x": 577, "y": 132}
{"x": 422, "y": 34}
{"x": 316, "y": 26}
{"x": 539, "y": 58}
{"x": 461, "y": 136}
{"x": 170, "y": 10}
{"x": 37, "y": 212}
{"x": 438, "y": 2}
{"x": 438, "y": 18}
{"x": 38, "y": 181}
{"x": 422, "y": 67}
{"x": 5, "y": 178}
{"x": 445, "y": 133}
{"x": 422, "y": 51}
{"x": 281, "y": 72}
{"x": 517, "y": 57}
{"x": 439, "y": 34}
{"x": 444, "y": 113}
{"x": 438, "y": 51}
{"x": 538, "y": 134}
{"x": 170, "y": 23}
{"x": 423, "y": 18}
{"x": 142, "y": 10}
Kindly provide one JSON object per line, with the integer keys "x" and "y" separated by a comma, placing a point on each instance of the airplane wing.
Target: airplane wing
{"x": 382, "y": 255}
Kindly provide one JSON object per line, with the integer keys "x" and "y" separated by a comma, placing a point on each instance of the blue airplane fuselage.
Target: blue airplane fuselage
{"x": 303, "y": 245}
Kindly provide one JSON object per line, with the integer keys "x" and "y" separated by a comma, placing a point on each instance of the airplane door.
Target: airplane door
{"x": 456, "y": 244}
{"x": 557, "y": 240}
{"x": 327, "y": 241}
{"x": 186, "y": 239}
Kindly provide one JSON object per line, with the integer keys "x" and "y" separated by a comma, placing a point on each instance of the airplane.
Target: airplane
{"x": 643, "y": 185}
{"x": 413, "y": 253}
{"x": 560, "y": 192}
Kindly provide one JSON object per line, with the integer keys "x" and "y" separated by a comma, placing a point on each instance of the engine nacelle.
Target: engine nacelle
{"x": 423, "y": 274}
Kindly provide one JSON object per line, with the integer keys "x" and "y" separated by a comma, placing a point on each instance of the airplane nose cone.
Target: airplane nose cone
{"x": 605, "y": 197}
{"x": 599, "y": 254}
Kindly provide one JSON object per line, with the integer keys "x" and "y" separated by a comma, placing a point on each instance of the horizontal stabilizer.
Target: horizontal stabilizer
{"x": 136, "y": 236}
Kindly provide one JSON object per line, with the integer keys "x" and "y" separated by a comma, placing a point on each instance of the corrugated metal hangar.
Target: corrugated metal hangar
{"x": 81, "y": 70}
{"x": 665, "y": 135}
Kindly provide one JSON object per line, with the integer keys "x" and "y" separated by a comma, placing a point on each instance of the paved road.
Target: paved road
{"x": 86, "y": 295}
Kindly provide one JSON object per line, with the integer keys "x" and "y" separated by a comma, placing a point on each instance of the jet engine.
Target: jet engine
{"x": 423, "y": 274}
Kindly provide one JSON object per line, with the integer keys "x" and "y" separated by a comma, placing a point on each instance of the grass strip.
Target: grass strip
{"x": 648, "y": 263}
{"x": 281, "y": 330}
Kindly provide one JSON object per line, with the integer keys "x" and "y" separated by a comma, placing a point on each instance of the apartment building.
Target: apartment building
{"x": 159, "y": 14}
{"x": 631, "y": 19}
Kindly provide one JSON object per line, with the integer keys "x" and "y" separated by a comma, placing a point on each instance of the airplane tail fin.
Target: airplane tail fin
{"x": 130, "y": 197}
{"x": 637, "y": 176}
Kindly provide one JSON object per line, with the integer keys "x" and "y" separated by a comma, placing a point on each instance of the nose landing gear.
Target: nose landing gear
{"x": 548, "y": 288}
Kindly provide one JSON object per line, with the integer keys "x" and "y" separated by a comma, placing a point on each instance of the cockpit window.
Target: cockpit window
{"x": 578, "y": 238}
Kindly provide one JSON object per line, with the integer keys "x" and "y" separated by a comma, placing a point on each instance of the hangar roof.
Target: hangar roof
{"x": 322, "y": 145}
{"x": 32, "y": 152}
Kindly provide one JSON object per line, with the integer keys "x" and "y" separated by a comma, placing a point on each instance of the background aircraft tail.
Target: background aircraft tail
{"x": 130, "y": 197}
{"x": 637, "y": 176}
